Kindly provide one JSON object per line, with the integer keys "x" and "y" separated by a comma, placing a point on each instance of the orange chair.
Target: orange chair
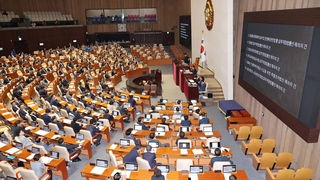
{"x": 153, "y": 90}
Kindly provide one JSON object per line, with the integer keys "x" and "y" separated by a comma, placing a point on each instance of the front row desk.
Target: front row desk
{"x": 161, "y": 153}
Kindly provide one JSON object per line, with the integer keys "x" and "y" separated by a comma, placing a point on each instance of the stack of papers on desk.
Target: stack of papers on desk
{"x": 197, "y": 151}
{"x": 67, "y": 121}
{"x": 6, "y": 113}
{"x": 203, "y": 138}
{"x": 55, "y": 136}
{"x": 11, "y": 119}
{"x": 113, "y": 146}
{"x": 46, "y": 159}
{"x": 2, "y": 145}
{"x": 12, "y": 150}
{"x": 41, "y": 132}
{"x": 126, "y": 173}
{"x": 184, "y": 151}
{"x": 134, "y": 131}
{"x": 208, "y": 133}
{"x": 193, "y": 176}
{"x": 98, "y": 170}
{"x": 178, "y": 121}
{"x": 31, "y": 156}
{"x": 94, "y": 101}
{"x": 100, "y": 127}
{"x": 160, "y": 133}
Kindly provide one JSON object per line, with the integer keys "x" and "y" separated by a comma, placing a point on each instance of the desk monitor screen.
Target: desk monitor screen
{"x": 214, "y": 145}
{"x": 193, "y": 101}
{"x": 184, "y": 145}
{"x": 84, "y": 121}
{"x": 166, "y": 116}
{"x": 61, "y": 133}
{"x": 80, "y": 137}
{"x": 29, "y": 148}
{"x": 207, "y": 128}
{"x": 4, "y": 140}
{"x": 184, "y": 129}
{"x": 164, "y": 100}
{"x": 11, "y": 178}
{"x": 164, "y": 168}
{"x": 131, "y": 166}
{"x": 154, "y": 144}
{"x": 160, "y": 129}
{"x": 127, "y": 105}
{"x": 19, "y": 145}
{"x": 124, "y": 142}
{"x": 136, "y": 98}
{"x": 35, "y": 150}
{"x": 195, "y": 108}
{"x": 102, "y": 163}
{"x": 229, "y": 168}
{"x": 137, "y": 127}
{"x": 143, "y": 93}
{"x": 148, "y": 116}
{"x": 132, "y": 92}
{"x": 33, "y": 124}
{"x": 123, "y": 96}
{"x": 196, "y": 169}
{"x": 54, "y": 154}
{"x": 100, "y": 123}
{"x": 115, "y": 113}
{"x": 46, "y": 128}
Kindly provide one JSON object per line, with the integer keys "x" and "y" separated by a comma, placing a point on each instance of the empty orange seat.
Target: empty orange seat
{"x": 245, "y": 113}
{"x": 236, "y": 114}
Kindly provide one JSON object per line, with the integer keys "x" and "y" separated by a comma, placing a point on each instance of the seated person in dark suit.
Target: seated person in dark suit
{"x": 182, "y": 136}
{"x": 193, "y": 70}
{"x": 150, "y": 157}
{"x": 186, "y": 121}
{"x": 92, "y": 95}
{"x": 76, "y": 114}
{"x": 40, "y": 142}
{"x": 54, "y": 120}
{"x": 132, "y": 155}
{"x": 129, "y": 136}
{"x": 46, "y": 118}
{"x": 23, "y": 112}
{"x": 152, "y": 139}
{"x": 14, "y": 106}
{"x": 54, "y": 101}
{"x": 94, "y": 131}
{"x": 219, "y": 157}
{"x": 153, "y": 110}
{"x": 144, "y": 127}
{"x": 131, "y": 101}
{"x": 75, "y": 126}
{"x": 157, "y": 175}
{"x": 203, "y": 119}
{"x": 16, "y": 129}
{"x": 65, "y": 82}
{"x": 70, "y": 147}
{"x": 163, "y": 122}
{"x": 107, "y": 115}
{"x": 42, "y": 91}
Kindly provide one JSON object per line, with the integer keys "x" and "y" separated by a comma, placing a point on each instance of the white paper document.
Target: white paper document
{"x": 46, "y": 159}
{"x": 12, "y": 150}
{"x": 2, "y": 145}
{"x": 208, "y": 133}
{"x": 197, "y": 151}
{"x": 6, "y": 113}
{"x": 55, "y": 136}
{"x": 42, "y": 132}
{"x": 134, "y": 132}
{"x": 184, "y": 151}
{"x": 30, "y": 157}
{"x": 98, "y": 170}
{"x": 193, "y": 176}
{"x": 113, "y": 146}
{"x": 126, "y": 173}
{"x": 11, "y": 119}
{"x": 203, "y": 138}
{"x": 67, "y": 121}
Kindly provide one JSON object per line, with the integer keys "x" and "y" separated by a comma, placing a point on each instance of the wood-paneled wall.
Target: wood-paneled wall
{"x": 304, "y": 154}
{"x": 168, "y": 12}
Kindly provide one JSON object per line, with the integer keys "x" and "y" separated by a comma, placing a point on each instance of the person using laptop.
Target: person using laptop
{"x": 131, "y": 100}
{"x": 177, "y": 111}
{"x": 157, "y": 175}
{"x": 152, "y": 139}
{"x": 132, "y": 155}
{"x": 150, "y": 157}
{"x": 76, "y": 114}
{"x": 26, "y": 141}
{"x": 196, "y": 114}
{"x": 16, "y": 129}
{"x": 94, "y": 131}
{"x": 144, "y": 127}
{"x": 181, "y": 136}
{"x": 219, "y": 157}
{"x": 186, "y": 121}
{"x": 204, "y": 119}
{"x": 153, "y": 110}
{"x": 75, "y": 126}
{"x": 129, "y": 136}
{"x": 70, "y": 147}
{"x": 40, "y": 142}
{"x": 111, "y": 107}
{"x": 56, "y": 121}
{"x": 39, "y": 167}
{"x": 46, "y": 117}
{"x": 163, "y": 122}
{"x": 118, "y": 176}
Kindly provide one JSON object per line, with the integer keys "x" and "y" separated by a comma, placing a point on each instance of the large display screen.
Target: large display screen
{"x": 275, "y": 61}
{"x": 185, "y": 31}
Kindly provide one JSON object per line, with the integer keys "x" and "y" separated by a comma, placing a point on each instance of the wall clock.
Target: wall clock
{"x": 208, "y": 14}
{"x": 122, "y": 27}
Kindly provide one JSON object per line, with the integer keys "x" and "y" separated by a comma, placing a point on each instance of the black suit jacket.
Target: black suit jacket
{"x": 75, "y": 126}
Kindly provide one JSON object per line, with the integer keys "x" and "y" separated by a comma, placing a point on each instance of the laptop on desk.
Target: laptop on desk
{"x": 54, "y": 154}
{"x": 131, "y": 166}
{"x": 19, "y": 145}
{"x": 207, "y": 130}
{"x": 102, "y": 163}
{"x": 153, "y": 144}
{"x": 147, "y": 117}
{"x": 124, "y": 142}
{"x": 127, "y": 105}
{"x": 80, "y": 138}
{"x": 61, "y": 133}
{"x": 115, "y": 113}
{"x": 100, "y": 125}
{"x": 35, "y": 150}
{"x": 46, "y": 128}
{"x": 196, "y": 169}
{"x": 164, "y": 168}
{"x": 229, "y": 169}
{"x": 137, "y": 127}
{"x": 123, "y": 97}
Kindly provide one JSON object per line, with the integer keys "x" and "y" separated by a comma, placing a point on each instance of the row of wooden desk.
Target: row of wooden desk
{"x": 146, "y": 174}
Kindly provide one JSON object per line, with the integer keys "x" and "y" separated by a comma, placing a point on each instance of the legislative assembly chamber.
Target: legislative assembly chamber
{"x": 159, "y": 89}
